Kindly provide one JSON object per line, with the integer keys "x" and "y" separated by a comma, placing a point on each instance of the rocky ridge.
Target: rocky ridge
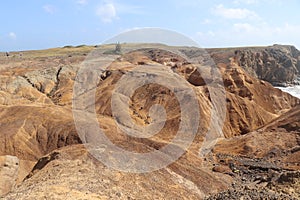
{"x": 37, "y": 127}
{"x": 277, "y": 64}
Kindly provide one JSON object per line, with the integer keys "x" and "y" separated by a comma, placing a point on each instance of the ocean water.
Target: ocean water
{"x": 294, "y": 90}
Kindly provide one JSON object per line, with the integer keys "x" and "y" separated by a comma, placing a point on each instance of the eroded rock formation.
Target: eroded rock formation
{"x": 278, "y": 64}
{"x": 37, "y": 126}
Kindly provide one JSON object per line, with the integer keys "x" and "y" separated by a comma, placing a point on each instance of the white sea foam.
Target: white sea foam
{"x": 294, "y": 90}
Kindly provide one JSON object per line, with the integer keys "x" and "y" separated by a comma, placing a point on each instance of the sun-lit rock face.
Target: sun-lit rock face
{"x": 37, "y": 123}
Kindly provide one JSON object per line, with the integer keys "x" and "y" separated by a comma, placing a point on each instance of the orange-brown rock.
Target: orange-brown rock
{"x": 71, "y": 173}
{"x": 37, "y": 126}
{"x": 9, "y": 166}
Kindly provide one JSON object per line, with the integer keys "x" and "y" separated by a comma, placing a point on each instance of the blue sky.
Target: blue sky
{"x": 39, "y": 24}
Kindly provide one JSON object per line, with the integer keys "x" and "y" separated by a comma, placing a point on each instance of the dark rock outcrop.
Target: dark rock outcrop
{"x": 277, "y": 64}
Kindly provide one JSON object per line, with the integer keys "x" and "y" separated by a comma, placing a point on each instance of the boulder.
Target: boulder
{"x": 9, "y": 166}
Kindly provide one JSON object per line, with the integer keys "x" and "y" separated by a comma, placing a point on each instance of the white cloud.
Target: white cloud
{"x": 206, "y": 21}
{"x": 243, "y": 27}
{"x": 12, "y": 35}
{"x": 234, "y": 13}
{"x": 107, "y": 12}
{"x": 128, "y": 9}
{"x": 82, "y": 2}
{"x": 249, "y": 2}
{"x": 49, "y": 9}
{"x": 264, "y": 30}
{"x": 245, "y": 2}
{"x": 284, "y": 34}
{"x": 247, "y": 34}
{"x": 110, "y": 11}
